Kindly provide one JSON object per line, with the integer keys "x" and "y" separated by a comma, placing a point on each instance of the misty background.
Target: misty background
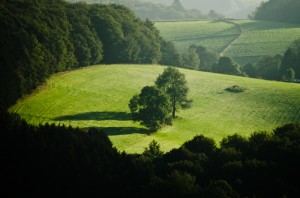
{"x": 229, "y": 8}
{"x": 191, "y": 9}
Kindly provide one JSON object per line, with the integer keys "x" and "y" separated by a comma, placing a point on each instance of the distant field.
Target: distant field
{"x": 98, "y": 96}
{"x": 212, "y": 34}
{"x": 248, "y": 40}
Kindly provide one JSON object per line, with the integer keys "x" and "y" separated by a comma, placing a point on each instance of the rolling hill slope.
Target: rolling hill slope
{"x": 247, "y": 40}
{"x": 98, "y": 96}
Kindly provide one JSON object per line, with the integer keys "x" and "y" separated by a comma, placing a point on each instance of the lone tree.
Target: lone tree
{"x": 151, "y": 107}
{"x": 174, "y": 84}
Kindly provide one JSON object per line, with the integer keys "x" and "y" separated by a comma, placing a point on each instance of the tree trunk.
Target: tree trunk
{"x": 173, "y": 108}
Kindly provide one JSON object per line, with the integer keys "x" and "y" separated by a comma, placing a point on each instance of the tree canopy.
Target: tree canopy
{"x": 39, "y": 38}
{"x": 191, "y": 60}
{"x": 207, "y": 57}
{"x": 278, "y": 10}
{"x": 47, "y": 160}
{"x": 268, "y": 67}
{"x": 157, "y": 105}
{"x": 226, "y": 65}
{"x": 152, "y": 107}
{"x": 175, "y": 85}
{"x": 291, "y": 60}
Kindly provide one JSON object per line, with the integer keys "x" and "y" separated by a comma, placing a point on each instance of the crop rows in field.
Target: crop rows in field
{"x": 215, "y": 43}
{"x": 263, "y": 38}
{"x": 215, "y": 35}
{"x": 243, "y": 40}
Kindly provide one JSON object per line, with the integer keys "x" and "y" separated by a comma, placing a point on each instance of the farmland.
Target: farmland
{"x": 98, "y": 96}
{"x": 244, "y": 40}
{"x": 212, "y": 34}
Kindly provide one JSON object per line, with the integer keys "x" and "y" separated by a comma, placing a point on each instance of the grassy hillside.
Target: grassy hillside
{"x": 244, "y": 40}
{"x": 98, "y": 96}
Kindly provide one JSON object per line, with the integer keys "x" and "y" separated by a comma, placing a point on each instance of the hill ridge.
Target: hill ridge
{"x": 215, "y": 113}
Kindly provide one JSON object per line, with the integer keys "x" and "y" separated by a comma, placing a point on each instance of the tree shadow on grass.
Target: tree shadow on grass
{"x": 113, "y": 131}
{"x": 98, "y": 116}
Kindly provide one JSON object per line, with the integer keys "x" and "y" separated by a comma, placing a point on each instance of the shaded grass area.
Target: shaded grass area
{"x": 112, "y": 131}
{"x": 96, "y": 116}
{"x": 98, "y": 96}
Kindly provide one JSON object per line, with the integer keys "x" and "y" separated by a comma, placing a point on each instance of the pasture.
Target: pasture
{"x": 98, "y": 96}
{"x": 244, "y": 40}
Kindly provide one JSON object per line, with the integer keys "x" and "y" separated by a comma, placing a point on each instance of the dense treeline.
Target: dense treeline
{"x": 55, "y": 160}
{"x": 290, "y": 64}
{"x": 278, "y": 10}
{"x": 276, "y": 67}
{"x": 39, "y": 38}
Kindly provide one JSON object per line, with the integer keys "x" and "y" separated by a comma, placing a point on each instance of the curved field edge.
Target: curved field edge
{"x": 260, "y": 38}
{"x": 98, "y": 96}
{"x": 215, "y": 35}
{"x": 243, "y": 40}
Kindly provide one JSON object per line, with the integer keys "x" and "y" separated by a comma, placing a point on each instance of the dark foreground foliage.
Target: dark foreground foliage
{"x": 48, "y": 161}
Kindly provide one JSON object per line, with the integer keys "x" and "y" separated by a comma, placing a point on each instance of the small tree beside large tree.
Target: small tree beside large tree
{"x": 156, "y": 105}
{"x": 151, "y": 107}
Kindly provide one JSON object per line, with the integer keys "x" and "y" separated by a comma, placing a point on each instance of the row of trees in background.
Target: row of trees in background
{"x": 203, "y": 59}
{"x": 200, "y": 58}
{"x": 277, "y": 67}
{"x": 39, "y": 38}
{"x": 48, "y": 160}
{"x": 278, "y": 10}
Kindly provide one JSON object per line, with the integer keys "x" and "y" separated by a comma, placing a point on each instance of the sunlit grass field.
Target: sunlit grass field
{"x": 98, "y": 96}
{"x": 248, "y": 40}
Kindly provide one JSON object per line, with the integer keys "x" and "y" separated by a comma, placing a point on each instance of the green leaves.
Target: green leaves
{"x": 154, "y": 105}
{"x": 151, "y": 107}
{"x": 39, "y": 38}
{"x": 175, "y": 85}
{"x": 227, "y": 66}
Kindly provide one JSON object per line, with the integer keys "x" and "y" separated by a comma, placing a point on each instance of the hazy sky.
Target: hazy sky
{"x": 227, "y": 7}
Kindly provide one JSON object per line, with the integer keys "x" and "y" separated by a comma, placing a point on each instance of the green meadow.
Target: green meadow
{"x": 243, "y": 40}
{"x": 98, "y": 96}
